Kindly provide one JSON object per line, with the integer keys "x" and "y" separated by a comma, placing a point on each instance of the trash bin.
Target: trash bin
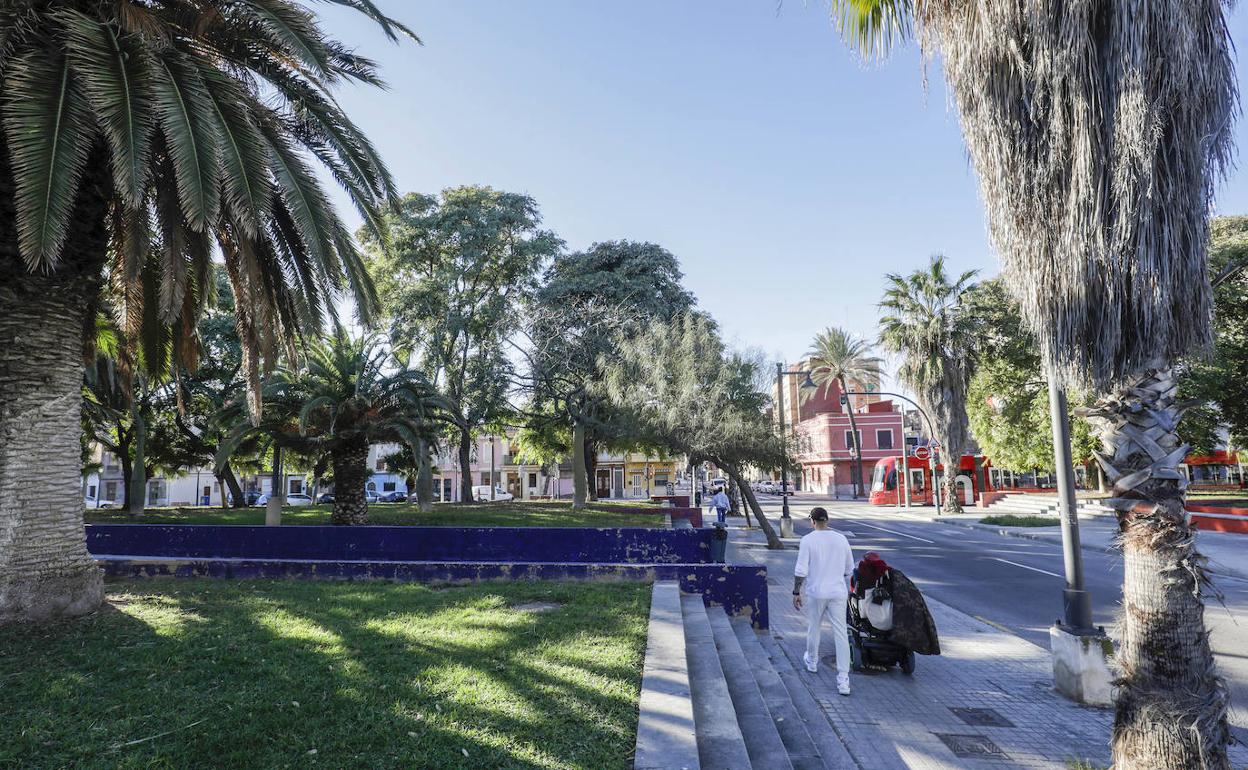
{"x": 719, "y": 544}
{"x": 697, "y": 499}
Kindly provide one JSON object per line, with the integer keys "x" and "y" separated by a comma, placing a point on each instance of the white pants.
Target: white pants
{"x": 816, "y": 608}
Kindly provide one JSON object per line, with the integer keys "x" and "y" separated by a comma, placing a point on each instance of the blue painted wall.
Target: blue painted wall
{"x": 492, "y": 544}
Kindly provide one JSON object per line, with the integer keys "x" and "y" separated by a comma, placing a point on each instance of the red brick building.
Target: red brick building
{"x": 823, "y": 436}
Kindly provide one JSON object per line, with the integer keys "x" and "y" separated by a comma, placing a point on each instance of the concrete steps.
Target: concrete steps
{"x": 718, "y": 695}
{"x": 746, "y": 715}
{"x": 1042, "y": 505}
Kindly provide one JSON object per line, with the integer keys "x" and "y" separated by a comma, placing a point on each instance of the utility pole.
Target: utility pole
{"x": 273, "y": 507}
{"x": 786, "y": 521}
{"x": 493, "y": 483}
{"x": 1077, "y": 602}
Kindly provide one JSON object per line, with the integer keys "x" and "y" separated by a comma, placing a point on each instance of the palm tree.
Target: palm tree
{"x": 836, "y": 356}
{"x": 926, "y": 324}
{"x": 1097, "y": 132}
{"x": 138, "y": 137}
{"x": 341, "y": 401}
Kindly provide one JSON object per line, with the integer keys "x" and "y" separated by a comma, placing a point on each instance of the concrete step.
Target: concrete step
{"x": 830, "y": 745}
{"x": 666, "y": 731}
{"x": 720, "y": 743}
{"x": 762, "y": 739}
{"x": 790, "y": 722}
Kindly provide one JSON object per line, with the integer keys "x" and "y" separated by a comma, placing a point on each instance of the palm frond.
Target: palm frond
{"x": 48, "y": 129}
{"x": 188, "y": 121}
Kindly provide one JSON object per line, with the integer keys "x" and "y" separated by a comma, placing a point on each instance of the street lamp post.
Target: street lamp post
{"x": 493, "y": 483}
{"x": 1076, "y": 600}
{"x": 786, "y": 521}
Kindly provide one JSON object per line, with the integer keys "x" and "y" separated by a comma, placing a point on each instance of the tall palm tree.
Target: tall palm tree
{"x": 138, "y": 137}
{"x": 927, "y": 325}
{"x": 1097, "y": 131}
{"x": 836, "y": 356}
{"x": 347, "y": 396}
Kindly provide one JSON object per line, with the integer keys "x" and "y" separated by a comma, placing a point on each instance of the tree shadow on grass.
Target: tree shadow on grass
{"x": 297, "y": 674}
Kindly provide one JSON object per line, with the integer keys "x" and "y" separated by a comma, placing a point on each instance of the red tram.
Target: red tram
{"x": 888, "y": 486}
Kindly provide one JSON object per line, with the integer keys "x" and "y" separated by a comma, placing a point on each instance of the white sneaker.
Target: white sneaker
{"x": 812, "y": 665}
{"x": 842, "y": 684}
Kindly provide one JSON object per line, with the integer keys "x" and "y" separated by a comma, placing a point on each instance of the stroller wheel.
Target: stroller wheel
{"x": 907, "y": 663}
{"x": 856, "y": 654}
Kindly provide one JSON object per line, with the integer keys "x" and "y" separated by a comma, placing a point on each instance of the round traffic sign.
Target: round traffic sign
{"x": 922, "y": 453}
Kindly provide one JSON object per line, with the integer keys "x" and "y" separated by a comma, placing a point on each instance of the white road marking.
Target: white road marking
{"x": 1024, "y": 566}
{"x": 895, "y": 532}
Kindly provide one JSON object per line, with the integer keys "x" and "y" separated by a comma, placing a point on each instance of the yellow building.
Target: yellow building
{"x": 633, "y": 475}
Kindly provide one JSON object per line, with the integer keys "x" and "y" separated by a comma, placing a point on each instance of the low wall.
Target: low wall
{"x": 680, "y": 501}
{"x": 436, "y": 544}
{"x": 1219, "y": 518}
{"x": 692, "y": 515}
{"x": 739, "y": 589}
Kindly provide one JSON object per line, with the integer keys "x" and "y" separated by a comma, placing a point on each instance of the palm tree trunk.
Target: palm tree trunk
{"x": 1171, "y": 706}
{"x": 424, "y": 476}
{"x": 855, "y": 469}
{"x": 465, "y": 465}
{"x": 949, "y": 488}
{"x": 236, "y": 489}
{"x": 137, "y": 480}
{"x": 579, "y": 484}
{"x": 45, "y": 571}
{"x": 773, "y": 540}
{"x": 350, "y": 461}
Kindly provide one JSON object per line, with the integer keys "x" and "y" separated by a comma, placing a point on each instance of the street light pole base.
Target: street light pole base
{"x": 1081, "y": 664}
{"x": 786, "y": 526}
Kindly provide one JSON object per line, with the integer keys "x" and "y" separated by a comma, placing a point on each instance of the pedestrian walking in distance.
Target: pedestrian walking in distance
{"x": 820, "y": 587}
{"x": 721, "y": 504}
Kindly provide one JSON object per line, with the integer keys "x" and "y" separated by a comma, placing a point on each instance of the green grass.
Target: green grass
{"x": 512, "y": 514}
{"x": 206, "y": 673}
{"x": 1010, "y": 520}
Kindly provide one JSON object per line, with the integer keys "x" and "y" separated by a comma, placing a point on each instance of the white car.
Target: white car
{"x": 294, "y": 500}
{"x": 768, "y": 488}
{"x": 482, "y": 495}
{"x": 92, "y": 502}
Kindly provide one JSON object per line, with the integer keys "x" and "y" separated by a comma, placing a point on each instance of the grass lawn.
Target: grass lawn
{"x": 206, "y": 673}
{"x": 512, "y": 514}
{"x": 1010, "y": 520}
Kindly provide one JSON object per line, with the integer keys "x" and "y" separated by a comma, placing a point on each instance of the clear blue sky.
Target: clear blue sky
{"x": 743, "y": 136}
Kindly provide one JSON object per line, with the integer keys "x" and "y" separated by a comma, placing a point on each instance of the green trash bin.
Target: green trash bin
{"x": 719, "y": 544}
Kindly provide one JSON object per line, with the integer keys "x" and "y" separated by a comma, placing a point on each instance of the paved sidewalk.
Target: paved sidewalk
{"x": 1227, "y": 552}
{"x": 986, "y": 702}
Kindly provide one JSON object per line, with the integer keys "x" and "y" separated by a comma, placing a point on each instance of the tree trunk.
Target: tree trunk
{"x": 949, "y": 490}
{"x": 591, "y": 470}
{"x": 424, "y": 476}
{"x": 236, "y": 489}
{"x": 45, "y": 571}
{"x": 350, "y": 461}
{"x": 137, "y": 480}
{"x": 773, "y": 540}
{"x": 855, "y": 465}
{"x": 578, "y": 466}
{"x": 127, "y": 486}
{"x": 1171, "y": 706}
{"x": 465, "y": 465}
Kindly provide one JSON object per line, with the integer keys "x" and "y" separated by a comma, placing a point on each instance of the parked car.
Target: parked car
{"x": 296, "y": 499}
{"x": 719, "y": 483}
{"x": 94, "y": 502}
{"x": 371, "y": 497}
{"x": 482, "y": 495}
{"x": 768, "y": 488}
{"x": 328, "y": 497}
{"x": 394, "y": 497}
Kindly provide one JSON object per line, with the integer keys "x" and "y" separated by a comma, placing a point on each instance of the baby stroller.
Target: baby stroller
{"x": 888, "y": 621}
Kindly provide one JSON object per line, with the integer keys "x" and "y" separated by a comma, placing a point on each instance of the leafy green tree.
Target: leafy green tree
{"x": 345, "y": 397}
{"x": 451, "y": 279}
{"x": 836, "y": 356}
{"x": 926, "y": 323}
{"x": 136, "y": 136}
{"x": 689, "y": 393}
{"x": 587, "y": 303}
{"x": 1097, "y": 134}
{"x": 1219, "y": 380}
{"x": 1008, "y": 396}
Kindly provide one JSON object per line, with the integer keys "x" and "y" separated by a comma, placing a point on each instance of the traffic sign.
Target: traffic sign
{"x": 922, "y": 453}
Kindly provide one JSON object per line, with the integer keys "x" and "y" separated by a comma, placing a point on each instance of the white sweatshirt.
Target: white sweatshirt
{"x": 825, "y": 559}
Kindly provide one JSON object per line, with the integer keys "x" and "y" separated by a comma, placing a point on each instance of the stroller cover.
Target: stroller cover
{"x": 913, "y": 626}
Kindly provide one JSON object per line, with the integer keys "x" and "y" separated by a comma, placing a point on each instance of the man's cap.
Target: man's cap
{"x": 818, "y": 514}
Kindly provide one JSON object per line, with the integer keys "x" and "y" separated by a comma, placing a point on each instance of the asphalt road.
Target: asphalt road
{"x": 1015, "y": 583}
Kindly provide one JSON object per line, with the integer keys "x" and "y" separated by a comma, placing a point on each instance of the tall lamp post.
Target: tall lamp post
{"x": 493, "y": 483}
{"x": 1076, "y": 600}
{"x": 786, "y": 521}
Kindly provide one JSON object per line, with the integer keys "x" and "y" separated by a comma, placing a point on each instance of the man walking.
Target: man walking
{"x": 820, "y": 585}
{"x": 721, "y": 504}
